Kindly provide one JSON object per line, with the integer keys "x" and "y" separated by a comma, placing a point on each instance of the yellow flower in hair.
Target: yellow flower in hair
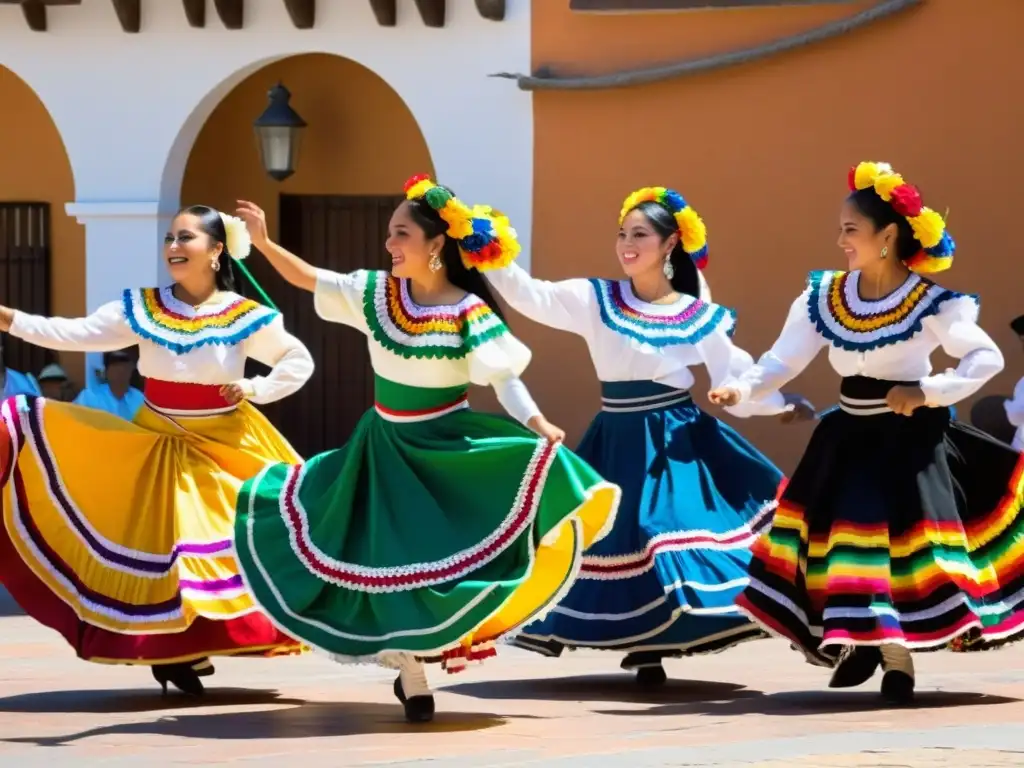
{"x": 886, "y": 183}
{"x": 692, "y": 230}
{"x": 457, "y": 216}
{"x": 928, "y": 227}
{"x": 867, "y": 173}
{"x": 419, "y": 189}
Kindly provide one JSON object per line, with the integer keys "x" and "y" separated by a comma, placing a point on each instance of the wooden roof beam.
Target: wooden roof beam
{"x": 494, "y": 10}
{"x": 34, "y": 11}
{"x": 302, "y": 13}
{"x": 432, "y": 12}
{"x": 129, "y": 14}
{"x": 385, "y": 11}
{"x": 195, "y": 13}
{"x": 231, "y": 12}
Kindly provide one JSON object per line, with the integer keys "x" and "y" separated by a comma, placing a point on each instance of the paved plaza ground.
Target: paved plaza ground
{"x": 757, "y": 705}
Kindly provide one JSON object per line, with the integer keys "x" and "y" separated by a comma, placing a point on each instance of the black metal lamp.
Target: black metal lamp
{"x": 278, "y": 131}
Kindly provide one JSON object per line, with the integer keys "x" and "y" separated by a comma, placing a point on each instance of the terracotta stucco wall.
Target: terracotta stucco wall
{"x": 762, "y": 152}
{"x": 36, "y": 169}
{"x": 361, "y": 139}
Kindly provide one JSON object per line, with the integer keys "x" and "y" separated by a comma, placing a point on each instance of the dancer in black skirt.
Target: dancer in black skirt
{"x": 901, "y": 529}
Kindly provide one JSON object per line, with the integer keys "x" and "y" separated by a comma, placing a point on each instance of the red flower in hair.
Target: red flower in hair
{"x": 412, "y": 182}
{"x": 851, "y": 179}
{"x": 906, "y": 200}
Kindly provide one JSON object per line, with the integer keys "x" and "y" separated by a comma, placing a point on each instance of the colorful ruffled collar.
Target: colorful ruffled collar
{"x": 685, "y": 321}
{"x": 408, "y": 329}
{"x": 850, "y": 322}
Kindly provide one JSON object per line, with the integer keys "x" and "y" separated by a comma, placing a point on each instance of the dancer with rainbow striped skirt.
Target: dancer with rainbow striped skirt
{"x": 117, "y": 534}
{"x": 435, "y": 530}
{"x": 695, "y": 493}
{"x": 900, "y": 530}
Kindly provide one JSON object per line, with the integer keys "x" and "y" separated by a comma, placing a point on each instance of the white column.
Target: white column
{"x": 122, "y": 250}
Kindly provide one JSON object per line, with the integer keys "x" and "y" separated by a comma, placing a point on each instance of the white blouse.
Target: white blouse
{"x": 180, "y": 343}
{"x": 633, "y": 340}
{"x": 435, "y": 346}
{"x": 891, "y": 338}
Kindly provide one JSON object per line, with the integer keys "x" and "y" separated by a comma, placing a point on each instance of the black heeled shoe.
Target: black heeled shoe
{"x": 651, "y": 677}
{"x": 897, "y": 687}
{"x": 203, "y": 667}
{"x": 856, "y": 666}
{"x": 418, "y": 709}
{"x": 181, "y": 676}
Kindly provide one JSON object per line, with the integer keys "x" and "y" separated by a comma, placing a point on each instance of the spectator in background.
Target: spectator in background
{"x": 113, "y": 392}
{"x": 54, "y": 383}
{"x": 1015, "y": 405}
{"x": 16, "y": 382}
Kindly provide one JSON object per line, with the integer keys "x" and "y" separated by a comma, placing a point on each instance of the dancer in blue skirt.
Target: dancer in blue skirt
{"x": 696, "y": 495}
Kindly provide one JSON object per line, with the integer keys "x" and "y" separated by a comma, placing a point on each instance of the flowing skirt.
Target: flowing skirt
{"x": 117, "y": 534}
{"x": 434, "y": 531}
{"x": 894, "y": 529}
{"x": 695, "y": 496}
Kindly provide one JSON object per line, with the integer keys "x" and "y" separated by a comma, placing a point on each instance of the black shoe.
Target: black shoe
{"x": 418, "y": 709}
{"x": 181, "y": 676}
{"x": 203, "y": 667}
{"x": 897, "y": 687}
{"x": 651, "y": 677}
{"x": 856, "y": 666}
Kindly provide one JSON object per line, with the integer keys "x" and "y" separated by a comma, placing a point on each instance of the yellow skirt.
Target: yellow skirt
{"x": 118, "y": 534}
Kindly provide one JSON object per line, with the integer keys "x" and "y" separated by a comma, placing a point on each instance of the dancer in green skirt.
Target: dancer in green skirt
{"x": 435, "y": 530}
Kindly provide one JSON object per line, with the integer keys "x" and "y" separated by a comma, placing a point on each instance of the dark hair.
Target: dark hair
{"x": 684, "y": 278}
{"x": 882, "y": 214}
{"x": 469, "y": 280}
{"x": 210, "y": 223}
{"x": 1017, "y": 324}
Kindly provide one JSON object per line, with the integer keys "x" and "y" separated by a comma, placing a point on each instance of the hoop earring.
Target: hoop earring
{"x": 216, "y": 266}
{"x": 885, "y": 251}
{"x": 434, "y": 263}
{"x": 667, "y": 267}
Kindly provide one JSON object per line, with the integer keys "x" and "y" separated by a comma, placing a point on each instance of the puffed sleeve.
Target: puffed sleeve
{"x": 1015, "y": 405}
{"x": 796, "y": 347}
{"x": 563, "y": 305}
{"x": 290, "y": 362}
{"x": 103, "y": 331}
{"x": 498, "y": 363}
{"x": 724, "y": 361}
{"x": 338, "y": 297}
{"x": 956, "y": 326}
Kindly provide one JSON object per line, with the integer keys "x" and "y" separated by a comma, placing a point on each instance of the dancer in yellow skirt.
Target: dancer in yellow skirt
{"x": 118, "y": 534}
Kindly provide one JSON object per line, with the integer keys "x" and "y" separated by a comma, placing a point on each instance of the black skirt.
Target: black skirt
{"x": 894, "y": 529}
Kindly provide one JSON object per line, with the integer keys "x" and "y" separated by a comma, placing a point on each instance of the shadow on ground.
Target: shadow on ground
{"x": 815, "y": 703}
{"x": 305, "y": 720}
{"x": 129, "y": 701}
{"x": 607, "y": 688}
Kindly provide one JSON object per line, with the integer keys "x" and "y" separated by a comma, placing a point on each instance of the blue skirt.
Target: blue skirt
{"x": 695, "y": 497}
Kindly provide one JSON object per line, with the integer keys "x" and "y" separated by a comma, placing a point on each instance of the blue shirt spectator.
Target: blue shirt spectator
{"x": 114, "y": 393}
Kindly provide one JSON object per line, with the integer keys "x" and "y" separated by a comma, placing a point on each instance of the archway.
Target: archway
{"x": 361, "y": 144}
{"x": 42, "y": 250}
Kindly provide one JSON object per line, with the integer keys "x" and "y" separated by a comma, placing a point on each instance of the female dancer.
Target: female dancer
{"x": 695, "y": 493}
{"x": 435, "y": 530}
{"x": 117, "y": 534}
{"x": 900, "y": 530}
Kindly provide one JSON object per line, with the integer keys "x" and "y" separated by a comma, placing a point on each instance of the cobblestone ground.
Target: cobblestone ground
{"x": 757, "y": 705}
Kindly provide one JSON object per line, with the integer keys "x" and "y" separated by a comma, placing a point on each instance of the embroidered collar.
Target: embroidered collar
{"x": 404, "y": 327}
{"x": 849, "y": 322}
{"x": 156, "y": 315}
{"x": 684, "y": 321}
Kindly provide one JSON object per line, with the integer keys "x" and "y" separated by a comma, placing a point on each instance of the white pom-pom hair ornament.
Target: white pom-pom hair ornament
{"x": 238, "y": 241}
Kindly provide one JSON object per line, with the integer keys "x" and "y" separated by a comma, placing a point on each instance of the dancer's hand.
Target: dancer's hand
{"x": 255, "y": 221}
{"x": 236, "y": 392}
{"x": 6, "y": 318}
{"x": 547, "y": 430}
{"x": 724, "y": 396}
{"x": 905, "y": 400}
{"x": 803, "y": 409}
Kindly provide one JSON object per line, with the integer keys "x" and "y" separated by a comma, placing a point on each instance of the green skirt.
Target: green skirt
{"x": 434, "y": 531}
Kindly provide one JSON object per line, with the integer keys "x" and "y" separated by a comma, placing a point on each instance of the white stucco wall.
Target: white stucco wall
{"x": 129, "y": 106}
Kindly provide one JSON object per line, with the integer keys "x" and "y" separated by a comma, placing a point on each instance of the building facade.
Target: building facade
{"x": 107, "y": 132}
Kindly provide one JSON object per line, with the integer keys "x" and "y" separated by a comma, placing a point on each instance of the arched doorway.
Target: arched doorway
{"x": 42, "y": 250}
{"x": 361, "y": 144}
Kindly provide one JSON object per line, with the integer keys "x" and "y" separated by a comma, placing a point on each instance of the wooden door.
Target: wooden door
{"x": 339, "y": 233}
{"x": 25, "y": 276}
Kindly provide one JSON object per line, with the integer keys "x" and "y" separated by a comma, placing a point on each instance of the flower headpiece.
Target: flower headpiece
{"x": 937, "y": 246}
{"x": 692, "y": 233}
{"x": 237, "y": 239}
{"x": 486, "y": 238}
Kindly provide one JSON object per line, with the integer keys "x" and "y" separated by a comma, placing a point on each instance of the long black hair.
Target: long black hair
{"x": 684, "y": 279}
{"x": 881, "y": 214}
{"x": 211, "y": 224}
{"x": 469, "y": 280}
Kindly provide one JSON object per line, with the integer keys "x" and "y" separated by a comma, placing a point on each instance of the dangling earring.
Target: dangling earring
{"x": 667, "y": 267}
{"x": 435, "y": 262}
{"x": 885, "y": 251}
{"x": 216, "y": 266}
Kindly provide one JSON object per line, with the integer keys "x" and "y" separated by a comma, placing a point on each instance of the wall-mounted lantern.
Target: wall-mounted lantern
{"x": 278, "y": 131}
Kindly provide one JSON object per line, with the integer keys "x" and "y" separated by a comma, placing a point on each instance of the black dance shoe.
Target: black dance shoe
{"x": 897, "y": 687}
{"x": 651, "y": 677}
{"x": 418, "y": 709}
{"x": 856, "y": 666}
{"x": 181, "y": 676}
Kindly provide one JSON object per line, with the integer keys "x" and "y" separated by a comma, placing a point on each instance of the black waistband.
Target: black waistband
{"x": 864, "y": 388}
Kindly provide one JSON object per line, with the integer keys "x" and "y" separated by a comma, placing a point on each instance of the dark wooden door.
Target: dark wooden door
{"x": 339, "y": 233}
{"x": 25, "y": 276}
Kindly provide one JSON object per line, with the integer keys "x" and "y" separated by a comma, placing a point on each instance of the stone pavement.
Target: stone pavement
{"x": 757, "y": 705}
